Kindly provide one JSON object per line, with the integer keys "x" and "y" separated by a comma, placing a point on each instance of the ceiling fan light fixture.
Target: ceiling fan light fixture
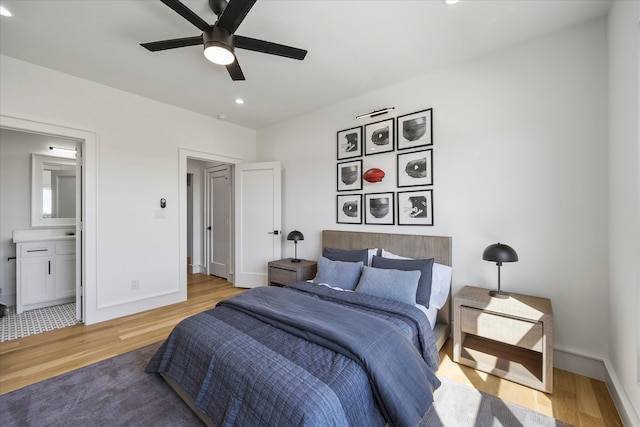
{"x": 218, "y": 46}
{"x": 220, "y": 55}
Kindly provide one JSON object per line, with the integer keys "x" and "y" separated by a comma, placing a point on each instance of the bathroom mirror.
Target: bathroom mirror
{"x": 53, "y": 191}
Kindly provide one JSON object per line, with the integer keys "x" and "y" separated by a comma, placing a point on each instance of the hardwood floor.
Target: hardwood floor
{"x": 28, "y": 360}
{"x": 578, "y": 400}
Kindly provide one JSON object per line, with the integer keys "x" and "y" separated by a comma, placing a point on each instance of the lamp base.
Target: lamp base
{"x": 499, "y": 294}
{"x": 295, "y": 260}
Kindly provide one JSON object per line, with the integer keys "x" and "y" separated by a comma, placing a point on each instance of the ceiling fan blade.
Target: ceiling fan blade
{"x": 269, "y": 47}
{"x": 187, "y": 14}
{"x": 234, "y": 14}
{"x": 172, "y": 44}
{"x": 235, "y": 71}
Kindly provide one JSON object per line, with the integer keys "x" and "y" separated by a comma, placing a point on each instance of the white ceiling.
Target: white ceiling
{"x": 354, "y": 47}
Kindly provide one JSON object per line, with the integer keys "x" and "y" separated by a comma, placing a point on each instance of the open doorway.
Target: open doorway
{"x": 209, "y": 218}
{"x": 41, "y": 209}
{"x": 255, "y": 218}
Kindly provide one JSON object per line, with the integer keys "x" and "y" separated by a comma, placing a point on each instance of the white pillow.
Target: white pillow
{"x": 386, "y": 254}
{"x": 370, "y": 255}
{"x": 440, "y": 284}
{"x": 440, "y": 280}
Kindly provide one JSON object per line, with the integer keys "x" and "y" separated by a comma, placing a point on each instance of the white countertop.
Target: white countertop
{"x": 21, "y": 236}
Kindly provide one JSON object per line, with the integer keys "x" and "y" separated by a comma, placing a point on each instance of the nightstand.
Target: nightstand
{"x": 511, "y": 338}
{"x": 284, "y": 272}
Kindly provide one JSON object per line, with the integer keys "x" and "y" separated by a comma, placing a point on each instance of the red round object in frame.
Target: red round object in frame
{"x": 373, "y": 175}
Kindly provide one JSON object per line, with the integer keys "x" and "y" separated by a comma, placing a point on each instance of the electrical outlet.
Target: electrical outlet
{"x": 135, "y": 284}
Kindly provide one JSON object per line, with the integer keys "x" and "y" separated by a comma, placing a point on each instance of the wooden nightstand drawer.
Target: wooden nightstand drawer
{"x": 283, "y": 277}
{"x": 509, "y": 330}
{"x": 508, "y": 337}
{"x": 284, "y": 272}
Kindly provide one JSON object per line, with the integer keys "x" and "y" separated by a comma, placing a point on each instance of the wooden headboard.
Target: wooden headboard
{"x": 408, "y": 245}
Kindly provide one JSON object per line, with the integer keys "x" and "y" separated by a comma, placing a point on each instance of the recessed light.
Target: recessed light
{"x": 221, "y": 116}
{"x": 239, "y": 101}
{"x": 4, "y": 11}
{"x": 450, "y": 2}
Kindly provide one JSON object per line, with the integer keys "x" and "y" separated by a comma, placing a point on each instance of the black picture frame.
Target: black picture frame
{"x": 415, "y": 129}
{"x": 349, "y": 176}
{"x": 415, "y": 207}
{"x": 349, "y": 209}
{"x": 379, "y": 137}
{"x": 379, "y": 208}
{"x": 349, "y": 143}
{"x": 415, "y": 168}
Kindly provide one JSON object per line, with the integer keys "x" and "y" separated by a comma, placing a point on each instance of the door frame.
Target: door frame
{"x": 86, "y": 254}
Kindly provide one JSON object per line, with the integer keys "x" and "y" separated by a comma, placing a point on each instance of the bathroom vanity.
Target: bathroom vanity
{"x": 45, "y": 269}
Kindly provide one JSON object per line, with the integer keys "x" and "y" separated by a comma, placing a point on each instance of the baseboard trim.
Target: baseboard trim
{"x": 197, "y": 269}
{"x": 579, "y": 364}
{"x": 600, "y": 369}
{"x": 620, "y": 398}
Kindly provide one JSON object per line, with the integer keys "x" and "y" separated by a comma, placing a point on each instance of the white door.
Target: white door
{"x": 258, "y": 221}
{"x": 218, "y": 189}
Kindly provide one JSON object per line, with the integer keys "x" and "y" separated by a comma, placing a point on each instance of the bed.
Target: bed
{"x": 311, "y": 355}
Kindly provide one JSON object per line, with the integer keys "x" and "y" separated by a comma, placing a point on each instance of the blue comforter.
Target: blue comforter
{"x": 304, "y": 355}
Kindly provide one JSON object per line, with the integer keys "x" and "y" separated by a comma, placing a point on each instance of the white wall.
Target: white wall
{"x": 138, "y": 142}
{"x": 624, "y": 201}
{"x": 520, "y": 149}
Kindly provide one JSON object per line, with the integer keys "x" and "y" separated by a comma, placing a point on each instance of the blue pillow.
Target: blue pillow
{"x": 396, "y": 285}
{"x": 341, "y": 274}
{"x": 424, "y": 266}
{"x": 346, "y": 255}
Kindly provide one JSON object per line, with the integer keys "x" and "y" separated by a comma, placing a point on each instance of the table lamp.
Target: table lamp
{"x": 295, "y": 235}
{"x": 499, "y": 253}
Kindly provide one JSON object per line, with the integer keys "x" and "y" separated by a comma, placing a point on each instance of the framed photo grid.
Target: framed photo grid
{"x": 415, "y": 130}
{"x": 350, "y": 175}
{"x": 378, "y": 208}
{"x": 415, "y": 168}
{"x": 378, "y": 137}
{"x": 349, "y": 143}
{"x": 349, "y": 209}
{"x": 366, "y": 191}
{"x": 415, "y": 207}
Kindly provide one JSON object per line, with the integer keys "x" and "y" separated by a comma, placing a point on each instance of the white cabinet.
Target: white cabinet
{"x": 45, "y": 274}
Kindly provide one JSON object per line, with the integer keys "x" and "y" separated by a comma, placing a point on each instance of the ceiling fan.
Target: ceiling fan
{"x": 219, "y": 39}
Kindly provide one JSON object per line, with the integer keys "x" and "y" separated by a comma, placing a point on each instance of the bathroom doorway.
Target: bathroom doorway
{"x": 16, "y": 195}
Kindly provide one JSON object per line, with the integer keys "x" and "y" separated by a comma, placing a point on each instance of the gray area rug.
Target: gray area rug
{"x": 114, "y": 392}
{"x": 117, "y": 392}
{"x": 457, "y": 405}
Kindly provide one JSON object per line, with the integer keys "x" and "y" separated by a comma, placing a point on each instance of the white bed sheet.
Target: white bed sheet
{"x": 431, "y": 313}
